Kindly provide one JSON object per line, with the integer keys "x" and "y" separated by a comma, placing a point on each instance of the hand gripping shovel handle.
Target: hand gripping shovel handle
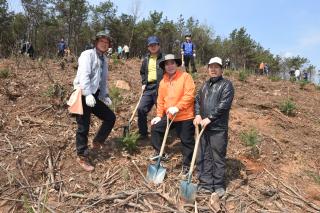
{"x": 194, "y": 155}
{"x": 135, "y": 109}
{"x": 165, "y": 136}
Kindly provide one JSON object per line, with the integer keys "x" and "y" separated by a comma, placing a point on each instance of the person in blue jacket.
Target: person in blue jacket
{"x": 188, "y": 53}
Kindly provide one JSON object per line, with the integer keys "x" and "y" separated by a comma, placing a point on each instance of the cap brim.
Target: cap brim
{"x": 177, "y": 60}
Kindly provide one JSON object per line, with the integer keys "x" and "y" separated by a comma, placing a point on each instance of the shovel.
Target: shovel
{"x": 126, "y": 129}
{"x": 188, "y": 190}
{"x": 156, "y": 172}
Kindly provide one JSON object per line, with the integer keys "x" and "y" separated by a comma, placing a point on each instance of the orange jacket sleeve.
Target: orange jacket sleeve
{"x": 188, "y": 96}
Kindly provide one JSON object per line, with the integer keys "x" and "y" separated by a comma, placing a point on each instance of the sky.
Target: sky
{"x": 286, "y": 27}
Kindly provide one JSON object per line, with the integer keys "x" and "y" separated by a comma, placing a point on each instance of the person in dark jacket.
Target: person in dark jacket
{"x": 212, "y": 106}
{"x": 151, "y": 75}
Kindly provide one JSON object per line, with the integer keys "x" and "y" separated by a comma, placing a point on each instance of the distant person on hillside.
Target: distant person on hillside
{"x": 30, "y": 51}
{"x": 188, "y": 53}
{"x": 291, "y": 73}
{"x": 227, "y": 63}
{"x": 119, "y": 52}
{"x": 126, "y": 52}
{"x": 297, "y": 74}
{"x": 305, "y": 75}
{"x": 151, "y": 75}
{"x": 92, "y": 79}
{"x": 261, "y": 68}
{"x": 266, "y": 69}
{"x": 212, "y": 106}
{"x": 61, "y": 48}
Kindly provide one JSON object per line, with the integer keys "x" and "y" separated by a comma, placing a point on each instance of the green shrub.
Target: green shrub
{"x": 129, "y": 142}
{"x": 274, "y": 78}
{"x": 4, "y": 73}
{"x": 250, "y": 137}
{"x": 287, "y": 107}
{"x": 55, "y": 91}
{"x": 194, "y": 75}
{"x": 227, "y": 73}
{"x": 115, "y": 95}
{"x": 243, "y": 75}
{"x": 303, "y": 83}
{"x": 314, "y": 176}
{"x": 292, "y": 79}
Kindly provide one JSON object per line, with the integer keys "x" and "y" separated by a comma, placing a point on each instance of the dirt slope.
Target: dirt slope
{"x": 37, "y": 131}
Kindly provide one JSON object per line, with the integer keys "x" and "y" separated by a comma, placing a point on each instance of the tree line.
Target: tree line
{"x": 44, "y": 22}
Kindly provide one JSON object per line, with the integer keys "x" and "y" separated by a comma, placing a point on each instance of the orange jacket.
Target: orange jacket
{"x": 179, "y": 92}
{"x": 261, "y": 67}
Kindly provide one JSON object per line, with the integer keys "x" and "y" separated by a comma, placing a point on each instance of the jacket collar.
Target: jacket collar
{"x": 213, "y": 80}
{"x": 175, "y": 76}
{"x": 159, "y": 56}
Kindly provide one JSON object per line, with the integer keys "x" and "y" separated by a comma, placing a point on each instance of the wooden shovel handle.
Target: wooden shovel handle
{"x": 166, "y": 134}
{"x": 135, "y": 109}
{"x": 194, "y": 155}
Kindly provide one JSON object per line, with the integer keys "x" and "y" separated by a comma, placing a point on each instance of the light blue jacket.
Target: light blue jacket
{"x": 92, "y": 74}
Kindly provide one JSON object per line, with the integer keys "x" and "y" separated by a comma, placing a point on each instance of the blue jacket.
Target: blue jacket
{"x": 61, "y": 46}
{"x": 187, "y": 48}
{"x": 92, "y": 74}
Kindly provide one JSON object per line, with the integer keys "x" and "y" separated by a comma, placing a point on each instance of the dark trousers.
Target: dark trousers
{"x": 189, "y": 59}
{"x": 103, "y": 113}
{"x": 185, "y": 131}
{"x": 212, "y": 159}
{"x": 149, "y": 98}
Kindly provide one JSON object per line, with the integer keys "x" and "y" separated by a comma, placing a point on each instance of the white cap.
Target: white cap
{"x": 215, "y": 60}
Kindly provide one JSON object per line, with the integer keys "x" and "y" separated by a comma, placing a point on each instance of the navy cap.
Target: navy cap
{"x": 153, "y": 40}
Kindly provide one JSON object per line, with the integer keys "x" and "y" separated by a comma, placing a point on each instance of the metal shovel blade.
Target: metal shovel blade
{"x": 188, "y": 191}
{"x": 156, "y": 173}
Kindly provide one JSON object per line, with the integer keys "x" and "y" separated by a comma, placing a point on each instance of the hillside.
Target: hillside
{"x": 37, "y": 149}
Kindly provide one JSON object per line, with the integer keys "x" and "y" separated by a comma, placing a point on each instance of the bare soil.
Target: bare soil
{"x": 39, "y": 173}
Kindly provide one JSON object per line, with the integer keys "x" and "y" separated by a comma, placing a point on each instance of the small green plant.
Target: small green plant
{"x": 115, "y": 59}
{"x": 26, "y": 205}
{"x": 274, "y": 78}
{"x": 227, "y": 72}
{"x": 303, "y": 83}
{"x": 315, "y": 177}
{"x": 4, "y": 73}
{"x": 55, "y": 91}
{"x": 129, "y": 142}
{"x": 292, "y": 79}
{"x": 243, "y": 75}
{"x": 125, "y": 173}
{"x": 287, "y": 107}
{"x": 194, "y": 75}
{"x": 250, "y": 137}
{"x": 115, "y": 95}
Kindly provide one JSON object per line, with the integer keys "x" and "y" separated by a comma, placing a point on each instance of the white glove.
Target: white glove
{"x": 155, "y": 120}
{"x": 107, "y": 101}
{"x": 194, "y": 55}
{"x": 90, "y": 100}
{"x": 173, "y": 110}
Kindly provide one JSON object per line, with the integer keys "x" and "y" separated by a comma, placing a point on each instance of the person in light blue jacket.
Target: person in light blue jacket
{"x": 92, "y": 76}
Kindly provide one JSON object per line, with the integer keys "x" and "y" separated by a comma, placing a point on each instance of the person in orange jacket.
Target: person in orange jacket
{"x": 176, "y": 95}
